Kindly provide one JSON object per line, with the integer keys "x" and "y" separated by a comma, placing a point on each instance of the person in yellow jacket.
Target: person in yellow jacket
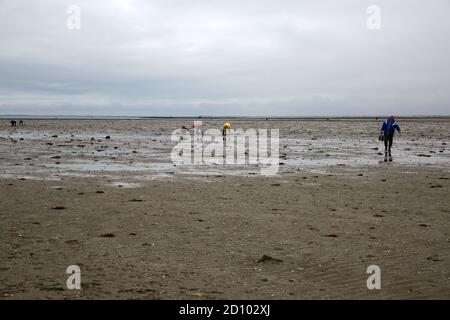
{"x": 226, "y": 127}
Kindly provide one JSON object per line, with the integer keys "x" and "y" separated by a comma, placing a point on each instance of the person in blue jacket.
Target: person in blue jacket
{"x": 387, "y": 131}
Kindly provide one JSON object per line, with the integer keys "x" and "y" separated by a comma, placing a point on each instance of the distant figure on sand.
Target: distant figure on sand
{"x": 13, "y": 123}
{"x": 226, "y": 126}
{"x": 20, "y": 123}
{"x": 387, "y": 131}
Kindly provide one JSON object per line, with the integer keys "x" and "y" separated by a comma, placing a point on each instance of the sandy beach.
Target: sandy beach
{"x": 105, "y": 195}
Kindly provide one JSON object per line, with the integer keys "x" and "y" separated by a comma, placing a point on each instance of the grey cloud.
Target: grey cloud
{"x": 231, "y": 57}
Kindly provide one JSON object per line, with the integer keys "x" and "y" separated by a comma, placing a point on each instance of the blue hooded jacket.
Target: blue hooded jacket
{"x": 389, "y": 126}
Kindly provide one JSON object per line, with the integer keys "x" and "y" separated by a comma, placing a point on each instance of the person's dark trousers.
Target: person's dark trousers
{"x": 388, "y": 140}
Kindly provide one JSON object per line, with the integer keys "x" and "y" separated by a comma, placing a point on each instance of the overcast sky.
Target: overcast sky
{"x": 227, "y": 57}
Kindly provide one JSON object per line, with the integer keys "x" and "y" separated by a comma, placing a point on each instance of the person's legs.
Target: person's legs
{"x": 391, "y": 140}
{"x": 386, "y": 140}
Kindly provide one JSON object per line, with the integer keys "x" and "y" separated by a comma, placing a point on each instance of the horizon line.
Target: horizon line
{"x": 52, "y": 116}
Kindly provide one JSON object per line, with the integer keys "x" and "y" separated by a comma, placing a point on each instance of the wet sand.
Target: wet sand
{"x": 141, "y": 228}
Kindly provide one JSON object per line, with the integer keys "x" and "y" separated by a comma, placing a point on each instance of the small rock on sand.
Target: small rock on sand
{"x": 268, "y": 259}
{"x": 331, "y": 235}
{"x": 59, "y": 208}
{"x": 108, "y": 235}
